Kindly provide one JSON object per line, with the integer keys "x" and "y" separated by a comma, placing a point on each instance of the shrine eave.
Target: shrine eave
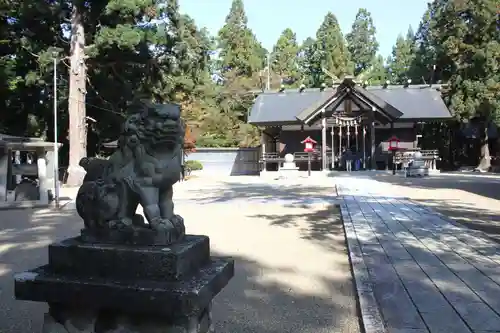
{"x": 420, "y": 103}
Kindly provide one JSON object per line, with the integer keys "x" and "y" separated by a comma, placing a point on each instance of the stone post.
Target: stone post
{"x": 4, "y": 172}
{"x": 43, "y": 185}
{"x": 49, "y": 157}
{"x": 17, "y": 160}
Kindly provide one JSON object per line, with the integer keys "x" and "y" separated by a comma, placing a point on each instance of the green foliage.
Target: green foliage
{"x": 325, "y": 59}
{"x": 332, "y": 49}
{"x": 466, "y": 35}
{"x": 377, "y": 72}
{"x": 239, "y": 48}
{"x": 194, "y": 165}
{"x": 129, "y": 56}
{"x": 458, "y": 43}
{"x": 309, "y": 62}
{"x": 284, "y": 57}
{"x": 361, "y": 41}
{"x": 402, "y": 57}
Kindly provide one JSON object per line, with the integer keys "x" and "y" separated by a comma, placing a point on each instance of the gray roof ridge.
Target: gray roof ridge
{"x": 332, "y": 89}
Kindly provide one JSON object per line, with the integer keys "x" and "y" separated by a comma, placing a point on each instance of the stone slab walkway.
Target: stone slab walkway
{"x": 415, "y": 270}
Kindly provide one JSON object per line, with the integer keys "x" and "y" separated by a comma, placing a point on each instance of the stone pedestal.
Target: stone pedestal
{"x": 417, "y": 167}
{"x": 110, "y": 288}
{"x": 289, "y": 168}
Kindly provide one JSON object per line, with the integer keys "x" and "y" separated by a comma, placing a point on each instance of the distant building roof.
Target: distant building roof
{"x": 419, "y": 102}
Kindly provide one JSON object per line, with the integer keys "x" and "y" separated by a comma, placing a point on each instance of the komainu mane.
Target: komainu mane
{"x": 142, "y": 171}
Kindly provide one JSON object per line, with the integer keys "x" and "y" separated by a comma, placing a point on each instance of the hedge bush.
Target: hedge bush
{"x": 194, "y": 165}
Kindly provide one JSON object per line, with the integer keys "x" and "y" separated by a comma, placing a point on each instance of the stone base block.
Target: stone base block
{"x": 289, "y": 173}
{"x": 136, "y": 235}
{"x": 417, "y": 172}
{"x": 75, "y": 257}
{"x": 169, "y": 299}
{"x": 62, "y": 319}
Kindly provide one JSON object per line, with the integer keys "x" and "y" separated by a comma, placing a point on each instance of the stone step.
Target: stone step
{"x": 167, "y": 263}
{"x": 169, "y": 299}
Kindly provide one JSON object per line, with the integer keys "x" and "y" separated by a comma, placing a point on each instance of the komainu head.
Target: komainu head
{"x": 156, "y": 125}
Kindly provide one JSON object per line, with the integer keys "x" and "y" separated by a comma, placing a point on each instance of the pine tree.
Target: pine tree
{"x": 361, "y": 41}
{"x": 239, "y": 48}
{"x": 332, "y": 50}
{"x": 309, "y": 62}
{"x": 401, "y": 59}
{"x": 378, "y": 73}
{"x": 29, "y": 36}
{"x": 421, "y": 70}
{"x": 76, "y": 98}
{"x": 284, "y": 57}
{"x": 465, "y": 34}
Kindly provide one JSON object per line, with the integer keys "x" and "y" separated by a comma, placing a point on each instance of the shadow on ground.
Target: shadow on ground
{"x": 321, "y": 226}
{"x": 24, "y": 236}
{"x": 467, "y": 214}
{"x": 458, "y": 262}
{"x": 224, "y": 192}
{"x": 484, "y": 186}
{"x": 252, "y": 302}
{"x": 487, "y": 221}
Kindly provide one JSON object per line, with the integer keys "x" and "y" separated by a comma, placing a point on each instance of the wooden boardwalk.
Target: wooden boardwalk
{"x": 415, "y": 270}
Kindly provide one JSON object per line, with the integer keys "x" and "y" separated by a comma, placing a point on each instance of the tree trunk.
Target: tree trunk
{"x": 76, "y": 103}
{"x": 485, "y": 161}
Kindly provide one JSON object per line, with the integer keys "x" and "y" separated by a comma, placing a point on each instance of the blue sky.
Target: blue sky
{"x": 268, "y": 18}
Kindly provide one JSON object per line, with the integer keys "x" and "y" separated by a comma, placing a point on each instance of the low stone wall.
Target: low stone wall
{"x": 227, "y": 161}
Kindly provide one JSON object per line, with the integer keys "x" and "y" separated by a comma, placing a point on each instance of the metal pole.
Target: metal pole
{"x": 309, "y": 164}
{"x": 56, "y": 145}
{"x": 268, "y": 85}
{"x": 393, "y": 162}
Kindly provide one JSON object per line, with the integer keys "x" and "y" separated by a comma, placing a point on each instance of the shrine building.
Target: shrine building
{"x": 348, "y": 115}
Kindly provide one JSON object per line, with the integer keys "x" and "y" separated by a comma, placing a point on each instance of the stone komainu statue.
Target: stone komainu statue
{"x": 142, "y": 171}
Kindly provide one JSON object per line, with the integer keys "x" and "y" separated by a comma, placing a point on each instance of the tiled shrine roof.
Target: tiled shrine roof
{"x": 414, "y": 103}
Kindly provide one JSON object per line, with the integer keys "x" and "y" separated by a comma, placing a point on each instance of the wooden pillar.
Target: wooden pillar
{"x": 364, "y": 147}
{"x": 324, "y": 166}
{"x": 372, "y": 139}
{"x": 263, "y": 152}
{"x": 372, "y": 144}
{"x": 388, "y": 158}
{"x": 340, "y": 139}
{"x": 356, "y": 135}
{"x": 348, "y": 136}
{"x": 333, "y": 147}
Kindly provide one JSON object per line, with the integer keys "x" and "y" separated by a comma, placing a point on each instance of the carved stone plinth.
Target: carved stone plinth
{"x": 135, "y": 235}
{"x": 105, "y": 288}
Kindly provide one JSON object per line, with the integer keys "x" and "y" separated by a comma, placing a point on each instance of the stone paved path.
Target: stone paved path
{"x": 426, "y": 273}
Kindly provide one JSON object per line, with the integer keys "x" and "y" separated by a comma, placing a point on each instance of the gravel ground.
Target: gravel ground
{"x": 292, "y": 271}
